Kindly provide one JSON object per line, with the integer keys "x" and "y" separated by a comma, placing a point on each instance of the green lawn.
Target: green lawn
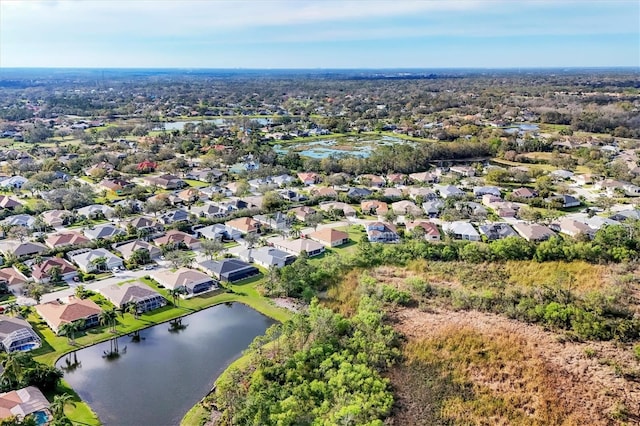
{"x": 195, "y": 183}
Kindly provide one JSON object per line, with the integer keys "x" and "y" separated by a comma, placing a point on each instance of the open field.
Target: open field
{"x": 474, "y": 368}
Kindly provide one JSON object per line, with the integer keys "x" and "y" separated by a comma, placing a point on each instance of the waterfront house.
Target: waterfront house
{"x": 56, "y": 313}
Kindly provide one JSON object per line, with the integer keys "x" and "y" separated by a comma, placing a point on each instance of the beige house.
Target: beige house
{"x": 127, "y": 250}
{"x": 330, "y": 237}
{"x": 56, "y": 313}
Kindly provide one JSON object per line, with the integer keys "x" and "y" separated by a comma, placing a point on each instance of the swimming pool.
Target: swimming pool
{"x": 41, "y": 417}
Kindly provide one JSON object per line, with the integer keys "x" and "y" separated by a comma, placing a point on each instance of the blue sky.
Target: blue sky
{"x": 319, "y": 34}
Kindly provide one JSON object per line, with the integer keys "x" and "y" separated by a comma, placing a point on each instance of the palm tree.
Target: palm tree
{"x": 132, "y": 308}
{"x": 109, "y": 318}
{"x": 70, "y": 329}
{"x": 13, "y": 366}
{"x": 58, "y": 404}
{"x": 99, "y": 263}
{"x": 175, "y": 295}
{"x": 12, "y": 309}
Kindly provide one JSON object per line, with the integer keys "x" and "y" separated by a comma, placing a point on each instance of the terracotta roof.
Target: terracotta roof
{"x": 329, "y": 235}
{"x": 66, "y": 238}
{"x": 43, "y": 269}
{"x": 56, "y": 313}
{"x": 175, "y": 236}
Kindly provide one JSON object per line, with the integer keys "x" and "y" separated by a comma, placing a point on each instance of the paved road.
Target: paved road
{"x": 95, "y": 285}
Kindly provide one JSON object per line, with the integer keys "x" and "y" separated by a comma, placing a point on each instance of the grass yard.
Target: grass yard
{"x": 195, "y": 183}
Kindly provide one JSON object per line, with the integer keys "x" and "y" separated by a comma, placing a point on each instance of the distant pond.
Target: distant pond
{"x": 155, "y": 380}
{"x": 339, "y": 147}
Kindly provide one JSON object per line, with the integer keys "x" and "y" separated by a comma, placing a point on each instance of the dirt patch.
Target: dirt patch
{"x": 588, "y": 378}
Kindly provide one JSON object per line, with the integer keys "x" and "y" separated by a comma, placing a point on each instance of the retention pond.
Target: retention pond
{"x": 162, "y": 371}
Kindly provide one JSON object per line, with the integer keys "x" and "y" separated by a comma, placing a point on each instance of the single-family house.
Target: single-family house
{"x": 525, "y": 193}
{"x": 302, "y": 213}
{"x": 461, "y": 230}
{"x": 218, "y": 232}
{"x": 245, "y": 225}
{"x": 405, "y": 207}
{"x": 631, "y": 190}
{"x": 396, "y": 179}
{"x": 564, "y": 200}
{"x": 105, "y": 231}
{"x": 296, "y": 247}
{"x": 430, "y": 230}
{"x": 433, "y": 208}
{"x": 23, "y": 220}
{"x": 424, "y": 177}
{"x": 209, "y": 211}
{"x": 175, "y": 238}
{"x": 22, "y": 248}
{"x": 189, "y": 195}
{"x": 465, "y": 171}
{"x": 623, "y": 215}
{"x": 324, "y": 192}
{"x": 14, "y": 279}
{"x": 189, "y": 281}
{"x": 23, "y": 402}
{"x": 267, "y": 257}
{"x": 65, "y": 239}
{"x": 291, "y": 195}
{"x": 101, "y": 166}
{"x": 277, "y": 221}
{"x": 561, "y": 174}
{"x": 380, "y": 232}
{"x": 17, "y": 335}
{"x": 13, "y": 182}
{"x": 56, "y": 313}
{"x": 496, "y": 231}
{"x": 8, "y": 203}
{"x": 345, "y": 208}
{"x": 117, "y": 186}
{"x": 370, "y": 180}
{"x": 56, "y": 218}
{"x": 480, "y": 191}
{"x": 282, "y": 180}
{"x": 144, "y": 224}
{"x": 89, "y": 260}
{"x": 308, "y": 178}
{"x": 374, "y": 207}
{"x": 358, "y": 193}
{"x": 572, "y": 227}
{"x": 229, "y": 270}
{"x": 173, "y": 216}
{"x": 392, "y": 193}
{"x": 165, "y": 181}
{"x": 96, "y": 211}
{"x": 144, "y": 297}
{"x": 584, "y": 179}
{"x": 449, "y": 191}
{"x": 329, "y": 237}
{"x": 533, "y": 231}
{"x": 426, "y": 194}
{"x": 128, "y": 249}
{"x": 43, "y": 272}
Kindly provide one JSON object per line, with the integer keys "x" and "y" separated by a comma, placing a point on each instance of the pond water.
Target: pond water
{"x": 342, "y": 147}
{"x": 522, "y": 128}
{"x": 157, "y": 380}
{"x": 179, "y": 125}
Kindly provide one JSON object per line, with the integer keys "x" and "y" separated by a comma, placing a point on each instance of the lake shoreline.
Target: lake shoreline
{"x": 228, "y": 357}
